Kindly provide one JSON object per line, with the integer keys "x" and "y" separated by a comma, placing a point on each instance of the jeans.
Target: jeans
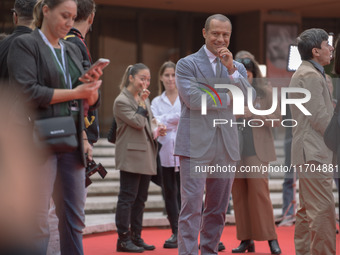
{"x": 63, "y": 177}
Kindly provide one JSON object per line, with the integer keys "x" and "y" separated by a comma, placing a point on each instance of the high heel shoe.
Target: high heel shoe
{"x": 245, "y": 245}
{"x": 274, "y": 247}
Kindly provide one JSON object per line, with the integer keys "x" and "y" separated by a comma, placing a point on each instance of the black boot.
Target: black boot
{"x": 274, "y": 247}
{"x": 137, "y": 240}
{"x": 245, "y": 245}
{"x": 221, "y": 246}
{"x": 124, "y": 244}
{"x": 171, "y": 242}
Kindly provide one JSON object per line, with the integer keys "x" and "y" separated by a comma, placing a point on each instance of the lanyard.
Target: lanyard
{"x": 63, "y": 65}
{"x": 78, "y": 34}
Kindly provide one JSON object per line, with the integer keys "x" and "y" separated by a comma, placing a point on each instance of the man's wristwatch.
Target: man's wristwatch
{"x": 232, "y": 70}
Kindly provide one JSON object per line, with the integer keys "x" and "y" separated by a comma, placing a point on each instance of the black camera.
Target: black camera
{"x": 91, "y": 168}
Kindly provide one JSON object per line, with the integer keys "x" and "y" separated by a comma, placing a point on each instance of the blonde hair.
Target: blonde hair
{"x": 38, "y": 15}
{"x": 131, "y": 70}
{"x": 167, "y": 64}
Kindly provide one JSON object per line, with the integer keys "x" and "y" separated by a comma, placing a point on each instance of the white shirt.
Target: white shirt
{"x": 167, "y": 114}
{"x": 212, "y": 59}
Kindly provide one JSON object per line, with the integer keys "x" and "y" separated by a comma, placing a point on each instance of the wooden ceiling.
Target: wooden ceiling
{"x": 307, "y": 8}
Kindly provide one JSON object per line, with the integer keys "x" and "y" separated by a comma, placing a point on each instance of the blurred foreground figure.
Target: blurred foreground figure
{"x": 17, "y": 178}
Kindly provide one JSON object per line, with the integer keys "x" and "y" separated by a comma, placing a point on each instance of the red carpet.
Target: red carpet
{"x": 105, "y": 244}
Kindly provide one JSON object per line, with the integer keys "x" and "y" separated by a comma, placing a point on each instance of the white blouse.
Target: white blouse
{"x": 167, "y": 114}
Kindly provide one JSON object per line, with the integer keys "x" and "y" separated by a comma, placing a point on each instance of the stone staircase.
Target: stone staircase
{"x": 103, "y": 193}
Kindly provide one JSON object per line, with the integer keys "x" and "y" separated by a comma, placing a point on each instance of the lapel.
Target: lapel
{"x": 134, "y": 105}
{"x": 131, "y": 100}
{"x": 47, "y": 59}
{"x": 204, "y": 66}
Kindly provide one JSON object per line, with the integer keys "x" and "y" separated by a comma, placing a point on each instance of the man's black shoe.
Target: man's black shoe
{"x": 140, "y": 243}
{"x": 128, "y": 246}
{"x": 171, "y": 242}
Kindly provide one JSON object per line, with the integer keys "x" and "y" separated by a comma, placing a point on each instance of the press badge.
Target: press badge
{"x": 74, "y": 106}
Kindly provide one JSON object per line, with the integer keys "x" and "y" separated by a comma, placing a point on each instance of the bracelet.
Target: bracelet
{"x": 142, "y": 104}
{"x": 85, "y": 139}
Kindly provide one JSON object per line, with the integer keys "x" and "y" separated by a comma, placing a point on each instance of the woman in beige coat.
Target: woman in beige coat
{"x": 136, "y": 152}
{"x": 252, "y": 205}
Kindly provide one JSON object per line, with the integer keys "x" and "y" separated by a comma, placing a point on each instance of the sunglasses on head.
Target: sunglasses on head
{"x": 247, "y": 62}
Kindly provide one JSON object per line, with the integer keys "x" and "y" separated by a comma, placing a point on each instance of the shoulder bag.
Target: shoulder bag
{"x": 111, "y": 136}
{"x": 58, "y": 134}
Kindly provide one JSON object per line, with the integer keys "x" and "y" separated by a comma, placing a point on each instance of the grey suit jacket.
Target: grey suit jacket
{"x": 136, "y": 150}
{"x": 308, "y": 144}
{"x": 195, "y": 131}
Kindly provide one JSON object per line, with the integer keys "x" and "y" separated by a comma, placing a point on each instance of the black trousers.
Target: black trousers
{"x": 172, "y": 195}
{"x": 132, "y": 196}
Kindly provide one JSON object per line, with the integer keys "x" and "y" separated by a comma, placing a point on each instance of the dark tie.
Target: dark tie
{"x": 218, "y": 67}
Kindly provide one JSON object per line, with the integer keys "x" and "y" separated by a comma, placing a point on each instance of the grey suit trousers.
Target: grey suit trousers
{"x": 209, "y": 223}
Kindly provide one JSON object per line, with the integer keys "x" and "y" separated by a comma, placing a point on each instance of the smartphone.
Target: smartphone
{"x": 102, "y": 62}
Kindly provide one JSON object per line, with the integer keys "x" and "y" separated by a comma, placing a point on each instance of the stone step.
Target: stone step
{"x": 107, "y": 204}
{"x": 155, "y": 203}
{"x": 102, "y": 193}
{"x": 107, "y": 162}
{"x": 111, "y": 187}
{"x": 97, "y": 223}
{"x": 104, "y": 151}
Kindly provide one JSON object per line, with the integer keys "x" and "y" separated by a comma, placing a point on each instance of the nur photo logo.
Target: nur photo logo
{"x": 239, "y": 102}
{"x": 204, "y": 97}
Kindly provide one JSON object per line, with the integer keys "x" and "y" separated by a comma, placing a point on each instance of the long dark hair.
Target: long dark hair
{"x": 252, "y": 66}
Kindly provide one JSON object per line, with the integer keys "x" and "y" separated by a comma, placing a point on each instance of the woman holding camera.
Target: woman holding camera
{"x": 136, "y": 152}
{"x": 46, "y": 70}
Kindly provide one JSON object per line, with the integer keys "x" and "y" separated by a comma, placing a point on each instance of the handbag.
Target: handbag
{"x": 111, "y": 136}
{"x": 331, "y": 132}
{"x": 58, "y": 134}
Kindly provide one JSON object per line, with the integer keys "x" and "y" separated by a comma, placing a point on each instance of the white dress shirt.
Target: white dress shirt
{"x": 167, "y": 114}
{"x": 212, "y": 59}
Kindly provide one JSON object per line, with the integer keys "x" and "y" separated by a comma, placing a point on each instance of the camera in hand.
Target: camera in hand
{"x": 91, "y": 168}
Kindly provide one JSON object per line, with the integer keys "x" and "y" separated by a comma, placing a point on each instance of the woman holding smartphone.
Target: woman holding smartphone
{"x": 46, "y": 70}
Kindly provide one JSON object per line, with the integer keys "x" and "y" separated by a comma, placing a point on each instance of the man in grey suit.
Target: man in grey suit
{"x": 200, "y": 144}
